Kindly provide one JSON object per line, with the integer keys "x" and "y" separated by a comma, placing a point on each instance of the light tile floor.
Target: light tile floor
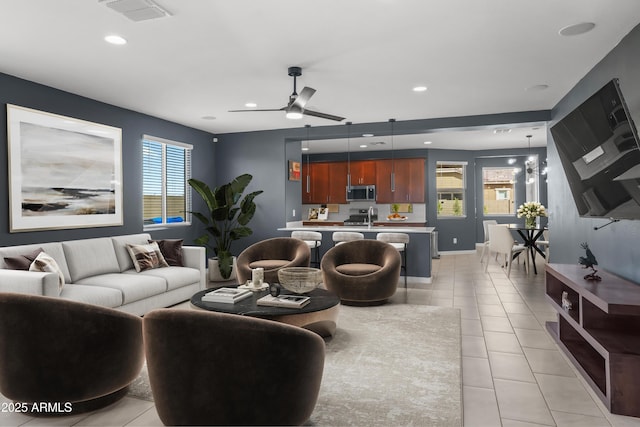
{"x": 513, "y": 373}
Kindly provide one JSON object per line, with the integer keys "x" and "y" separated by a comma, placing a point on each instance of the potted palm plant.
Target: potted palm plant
{"x": 226, "y": 220}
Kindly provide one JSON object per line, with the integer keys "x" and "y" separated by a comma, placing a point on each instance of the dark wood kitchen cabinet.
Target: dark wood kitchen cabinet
{"x": 409, "y": 181}
{"x": 324, "y": 182}
{"x": 363, "y": 172}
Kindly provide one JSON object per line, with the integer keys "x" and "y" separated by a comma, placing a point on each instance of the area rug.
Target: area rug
{"x": 390, "y": 365}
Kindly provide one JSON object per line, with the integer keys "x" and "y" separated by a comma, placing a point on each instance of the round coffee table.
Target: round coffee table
{"x": 319, "y": 316}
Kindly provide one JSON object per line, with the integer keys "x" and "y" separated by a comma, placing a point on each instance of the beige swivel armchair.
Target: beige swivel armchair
{"x": 272, "y": 255}
{"x": 230, "y": 369}
{"x": 362, "y": 272}
{"x": 54, "y": 350}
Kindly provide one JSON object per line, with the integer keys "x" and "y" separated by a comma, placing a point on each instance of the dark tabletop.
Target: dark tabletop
{"x": 321, "y": 299}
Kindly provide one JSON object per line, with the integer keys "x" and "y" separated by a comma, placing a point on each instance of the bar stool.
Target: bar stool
{"x": 398, "y": 241}
{"x": 313, "y": 239}
{"x": 345, "y": 236}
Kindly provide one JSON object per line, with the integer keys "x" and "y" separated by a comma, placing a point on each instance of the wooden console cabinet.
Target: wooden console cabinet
{"x": 600, "y": 333}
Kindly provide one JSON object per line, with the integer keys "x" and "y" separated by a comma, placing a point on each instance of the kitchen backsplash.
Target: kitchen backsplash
{"x": 418, "y": 214}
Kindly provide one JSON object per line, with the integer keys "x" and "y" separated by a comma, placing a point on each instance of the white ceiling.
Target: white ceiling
{"x": 362, "y": 56}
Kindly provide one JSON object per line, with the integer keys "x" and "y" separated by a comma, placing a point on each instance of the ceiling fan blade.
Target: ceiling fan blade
{"x": 266, "y": 109}
{"x": 322, "y": 115}
{"x": 302, "y": 99}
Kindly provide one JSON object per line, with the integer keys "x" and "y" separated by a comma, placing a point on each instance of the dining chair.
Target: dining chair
{"x": 544, "y": 244}
{"x": 485, "y": 227}
{"x": 501, "y": 242}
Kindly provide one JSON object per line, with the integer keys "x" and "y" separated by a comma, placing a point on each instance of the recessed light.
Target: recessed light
{"x": 115, "y": 39}
{"x": 536, "y": 88}
{"x": 305, "y": 148}
{"x": 208, "y": 118}
{"x": 367, "y": 135}
{"x": 363, "y": 146}
{"x": 501, "y": 130}
{"x": 420, "y": 89}
{"x": 251, "y": 105}
{"x": 577, "y": 29}
{"x": 428, "y": 142}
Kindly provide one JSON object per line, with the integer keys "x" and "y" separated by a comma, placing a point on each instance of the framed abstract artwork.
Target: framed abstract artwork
{"x": 63, "y": 172}
{"x": 294, "y": 170}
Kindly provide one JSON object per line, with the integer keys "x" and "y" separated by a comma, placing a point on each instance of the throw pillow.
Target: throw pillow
{"x": 146, "y": 257}
{"x": 21, "y": 262}
{"x": 171, "y": 251}
{"x": 45, "y": 263}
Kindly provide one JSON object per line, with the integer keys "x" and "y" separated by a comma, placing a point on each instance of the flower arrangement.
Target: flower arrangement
{"x": 530, "y": 211}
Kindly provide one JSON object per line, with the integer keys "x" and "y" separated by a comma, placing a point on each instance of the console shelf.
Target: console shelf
{"x": 600, "y": 333}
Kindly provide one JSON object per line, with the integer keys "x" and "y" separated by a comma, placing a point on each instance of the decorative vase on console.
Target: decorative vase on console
{"x": 531, "y": 211}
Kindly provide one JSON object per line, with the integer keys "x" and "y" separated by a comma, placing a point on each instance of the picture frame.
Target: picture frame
{"x": 63, "y": 172}
{"x": 294, "y": 170}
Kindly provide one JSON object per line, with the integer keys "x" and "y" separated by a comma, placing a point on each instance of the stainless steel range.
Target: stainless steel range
{"x": 361, "y": 216}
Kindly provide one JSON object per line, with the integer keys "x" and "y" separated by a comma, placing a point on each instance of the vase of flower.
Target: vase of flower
{"x": 531, "y": 211}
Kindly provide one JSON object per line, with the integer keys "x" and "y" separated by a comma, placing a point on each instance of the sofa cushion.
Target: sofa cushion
{"x": 98, "y": 295}
{"x": 171, "y": 251}
{"x": 146, "y": 257}
{"x": 133, "y": 287}
{"x": 22, "y": 261}
{"x": 90, "y": 257}
{"x": 357, "y": 269}
{"x": 120, "y": 246}
{"x": 54, "y": 249}
{"x": 46, "y": 264}
{"x": 176, "y": 277}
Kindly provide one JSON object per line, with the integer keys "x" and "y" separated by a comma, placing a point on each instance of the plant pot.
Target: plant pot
{"x": 214, "y": 271}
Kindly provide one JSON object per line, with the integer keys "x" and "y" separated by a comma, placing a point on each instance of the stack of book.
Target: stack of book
{"x": 291, "y": 301}
{"x": 227, "y": 295}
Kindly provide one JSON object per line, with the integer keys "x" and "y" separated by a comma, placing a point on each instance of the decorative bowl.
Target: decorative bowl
{"x": 300, "y": 280}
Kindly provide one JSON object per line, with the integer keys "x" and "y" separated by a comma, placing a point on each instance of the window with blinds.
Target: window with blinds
{"x": 166, "y": 168}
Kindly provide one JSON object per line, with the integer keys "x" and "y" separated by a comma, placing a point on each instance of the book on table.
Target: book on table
{"x": 291, "y": 301}
{"x": 227, "y": 295}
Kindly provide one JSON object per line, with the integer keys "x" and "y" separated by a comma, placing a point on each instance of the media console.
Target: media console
{"x": 600, "y": 333}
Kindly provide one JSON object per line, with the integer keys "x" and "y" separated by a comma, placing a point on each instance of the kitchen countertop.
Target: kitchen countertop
{"x": 359, "y": 228}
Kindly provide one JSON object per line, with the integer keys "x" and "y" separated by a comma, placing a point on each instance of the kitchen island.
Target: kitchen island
{"x": 418, "y": 249}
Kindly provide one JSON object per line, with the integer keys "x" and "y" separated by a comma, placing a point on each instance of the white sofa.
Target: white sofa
{"x": 100, "y": 271}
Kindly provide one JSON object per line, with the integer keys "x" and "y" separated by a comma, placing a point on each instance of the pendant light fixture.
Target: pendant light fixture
{"x": 393, "y": 171}
{"x": 348, "y": 156}
{"x": 530, "y": 164}
{"x": 308, "y": 162}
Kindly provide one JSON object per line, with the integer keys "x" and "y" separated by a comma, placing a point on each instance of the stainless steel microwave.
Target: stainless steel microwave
{"x": 361, "y": 192}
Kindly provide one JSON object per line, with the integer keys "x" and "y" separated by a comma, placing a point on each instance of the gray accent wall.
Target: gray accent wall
{"x": 616, "y": 246}
{"x": 133, "y": 124}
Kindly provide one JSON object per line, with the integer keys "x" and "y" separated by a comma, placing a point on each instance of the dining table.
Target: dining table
{"x": 530, "y": 235}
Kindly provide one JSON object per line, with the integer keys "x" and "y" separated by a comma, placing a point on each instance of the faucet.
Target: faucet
{"x": 370, "y": 216}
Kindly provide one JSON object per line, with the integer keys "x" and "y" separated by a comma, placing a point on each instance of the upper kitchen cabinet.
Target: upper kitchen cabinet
{"x": 409, "y": 181}
{"x": 324, "y": 182}
{"x": 363, "y": 172}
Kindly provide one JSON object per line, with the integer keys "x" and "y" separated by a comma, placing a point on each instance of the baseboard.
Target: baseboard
{"x": 467, "y": 252}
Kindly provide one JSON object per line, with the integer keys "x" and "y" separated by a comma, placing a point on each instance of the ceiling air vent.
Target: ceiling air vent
{"x": 377, "y": 143}
{"x": 137, "y": 10}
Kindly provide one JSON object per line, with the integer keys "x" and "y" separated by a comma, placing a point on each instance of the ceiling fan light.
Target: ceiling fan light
{"x": 294, "y": 115}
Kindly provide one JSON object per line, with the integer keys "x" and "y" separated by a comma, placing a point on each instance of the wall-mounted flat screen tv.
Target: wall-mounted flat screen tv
{"x": 598, "y": 146}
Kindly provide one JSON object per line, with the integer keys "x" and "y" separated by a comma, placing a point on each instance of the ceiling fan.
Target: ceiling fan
{"x": 295, "y": 108}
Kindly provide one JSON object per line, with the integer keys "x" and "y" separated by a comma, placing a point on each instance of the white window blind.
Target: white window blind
{"x": 166, "y": 169}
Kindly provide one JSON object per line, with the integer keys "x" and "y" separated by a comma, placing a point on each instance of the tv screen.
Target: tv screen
{"x": 598, "y": 147}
